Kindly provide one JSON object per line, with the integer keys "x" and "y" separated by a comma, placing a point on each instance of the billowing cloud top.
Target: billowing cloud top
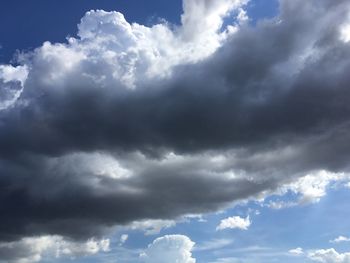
{"x": 128, "y": 122}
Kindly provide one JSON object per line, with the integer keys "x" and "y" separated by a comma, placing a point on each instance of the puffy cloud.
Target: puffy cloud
{"x": 34, "y": 249}
{"x": 234, "y": 222}
{"x": 12, "y": 80}
{"x": 329, "y": 256}
{"x": 309, "y": 188}
{"x": 340, "y": 239}
{"x": 128, "y": 123}
{"x": 173, "y": 248}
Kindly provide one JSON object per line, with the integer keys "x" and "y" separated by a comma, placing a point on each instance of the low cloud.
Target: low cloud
{"x": 173, "y": 248}
{"x": 35, "y": 249}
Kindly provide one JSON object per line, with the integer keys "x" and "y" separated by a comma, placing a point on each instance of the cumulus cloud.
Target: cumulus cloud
{"x": 309, "y": 188}
{"x": 329, "y": 256}
{"x": 234, "y": 222}
{"x": 340, "y": 239}
{"x": 129, "y": 123}
{"x": 34, "y": 249}
{"x": 12, "y": 80}
{"x": 173, "y": 248}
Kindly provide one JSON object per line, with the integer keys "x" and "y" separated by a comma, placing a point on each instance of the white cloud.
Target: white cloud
{"x": 309, "y": 188}
{"x": 234, "y": 222}
{"x": 170, "y": 248}
{"x": 75, "y": 249}
{"x": 12, "y": 80}
{"x": 340, "y": 239}
{"x": 9, "y": 73}
{"x": 345, "y": 32}
{"x": 33, "y": 249}
{"x": 123, "y": 239}
{"x": 151, "y": 227}
{"x": 296, "y": 251}
{"x": 110, "y": 51}
{"x": 329, "y": 256}
{"x": 203, "y": 19}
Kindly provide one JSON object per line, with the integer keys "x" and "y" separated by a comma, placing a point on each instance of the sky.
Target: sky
{"x": 191, "y": 131}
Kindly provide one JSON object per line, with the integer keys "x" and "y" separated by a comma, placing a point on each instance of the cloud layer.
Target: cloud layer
{"x": 33, "y": 249}
{"x": 126, "y": 123}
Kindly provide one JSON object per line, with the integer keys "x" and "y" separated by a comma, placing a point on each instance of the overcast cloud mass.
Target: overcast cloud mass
{"x": 127, "y": 122}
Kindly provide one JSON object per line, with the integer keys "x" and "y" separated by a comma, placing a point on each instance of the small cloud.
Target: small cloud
{"x": 296, "y": 251}
{"x": 123, "y": 239}
{"x": 340, "y": 239}
{"x": 234, "y": 222}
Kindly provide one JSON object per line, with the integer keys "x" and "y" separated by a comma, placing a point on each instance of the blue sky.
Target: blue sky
{"x": 178, "y": 131}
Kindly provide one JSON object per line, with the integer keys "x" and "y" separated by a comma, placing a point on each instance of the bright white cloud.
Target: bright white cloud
{"x": 9, "y": 73}
{"x": 345, "y": 32}
{"x": 12, "y": 80}
{"x": 34, "y": 249}
{"x": 170, "y": 249}
{"x": 234, "y": 222}
{"x": 109, "y": 51}
{"x": 340, "y": 239}
{"x": 329, "y": 256}
{"x": 309, "y": 188}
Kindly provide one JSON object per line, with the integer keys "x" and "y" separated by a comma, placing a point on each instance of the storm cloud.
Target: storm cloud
{"x": 127, "y": 122}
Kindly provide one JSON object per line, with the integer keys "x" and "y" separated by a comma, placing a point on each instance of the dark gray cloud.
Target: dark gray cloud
{"x": 271, "y": 105}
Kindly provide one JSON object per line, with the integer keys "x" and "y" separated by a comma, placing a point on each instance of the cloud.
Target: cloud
{"x": 296, "y": 251}
{"x": 129, "y": 123}
{"x": 214, "y": 244}
{"x": 234, "y": 222}
{"x": 173, "y": 248}
{"x": 340, "y": 239}
{"x": 123, "y": 239}
{"x": 329, "y": 256}
{"x": 34, "y": 249}
{"x": 151, "y": 227}
{"x": 308, "y": 189}
{"x": 12, "y": 80}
